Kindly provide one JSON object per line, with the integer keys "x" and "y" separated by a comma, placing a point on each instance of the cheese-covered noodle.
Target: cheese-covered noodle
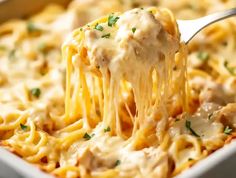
{"x": 126, "y": 98}
{"x": 121, "y": 83}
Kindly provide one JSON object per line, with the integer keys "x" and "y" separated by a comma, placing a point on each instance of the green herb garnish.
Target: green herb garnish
{"x": 106, "y": 35}
{"x": 188, "y": 126}
{"x": 35, "y": 92}
{"x": 2, "y": 48}
{"x": 112, "y": 20}
{"x": 98, "y": 27}
{"x": 87, "y": 136}
{"x": 176, "y": 120}
{"x": 230, "y": 69}
{"x": 210, "y": 116}
{"x": 31, "y": 27}
{"x": 133, "y": 29}
{"x": 12, "y": 54}
{"x": 23, "y": 127}
{"x": 203, "y": 56}
{"x": 42, "y": 47}
{"x": 228, "y": 130}
{"x": 108, "y": 129}
{"x": 117, "y": 163}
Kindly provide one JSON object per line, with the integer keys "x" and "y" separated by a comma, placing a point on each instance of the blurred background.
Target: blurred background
{"x": 23, "y": 8}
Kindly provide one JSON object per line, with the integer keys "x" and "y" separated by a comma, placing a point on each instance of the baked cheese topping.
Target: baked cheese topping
{"x": 121, "y": 101}
{"x": 127, "y": 58}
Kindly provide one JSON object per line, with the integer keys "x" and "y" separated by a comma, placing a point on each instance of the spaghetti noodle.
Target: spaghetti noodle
{"x": 122, "y": 102}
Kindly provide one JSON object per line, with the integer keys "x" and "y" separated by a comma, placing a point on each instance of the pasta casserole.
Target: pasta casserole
{"x": 107, "y": 89}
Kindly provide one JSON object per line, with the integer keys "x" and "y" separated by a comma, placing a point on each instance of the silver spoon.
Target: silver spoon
{"x": 189, "y": 28}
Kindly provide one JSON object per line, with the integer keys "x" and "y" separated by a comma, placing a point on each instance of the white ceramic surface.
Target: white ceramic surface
{"x": 221, "y": 164}
{"x": 11, "y": 166}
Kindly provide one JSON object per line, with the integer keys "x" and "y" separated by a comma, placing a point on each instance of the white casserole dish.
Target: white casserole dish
{"x": 217, "y": 165}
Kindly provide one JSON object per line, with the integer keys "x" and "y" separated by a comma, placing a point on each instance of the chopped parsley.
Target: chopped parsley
{"x": 176, "y": 120}
{"x": 106, "y": 35}
{"x": 31, "y": 27}
{"x": 188, "y": 126}
{"x": 190, "y": 159}
{"x": 133, "y": 29}
{"x": 42, "y": 47}
{"x": 210, "y": 116}
{"x": 203, "y": 55}
{"x": 2, "y": 48}
{"x": 87, "y": 136}
{"x": 117, "y": 163}
{"x": 112, "y": 20}
{"x": 228, "y": 130}
{"x": 12, "y": 54}
{"x": 23, "y": 127}
{"x": 231, "y": 70}
{"x": 108, "y": 129}
{"x": 35, "y": 92}
{"x": 98, "y": 27}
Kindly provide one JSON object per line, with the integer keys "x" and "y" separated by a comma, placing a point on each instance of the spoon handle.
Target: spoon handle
{"x": 189, "y": 28}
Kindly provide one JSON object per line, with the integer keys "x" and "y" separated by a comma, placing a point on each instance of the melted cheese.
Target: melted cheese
{"x": 136, "y": 62}
{"x": 129, "y": 108}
